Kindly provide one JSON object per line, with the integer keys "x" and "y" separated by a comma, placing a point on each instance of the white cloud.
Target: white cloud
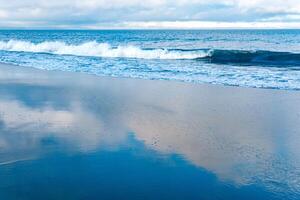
{"x": 80, "y": 14}
{"x": 207, "y": 24}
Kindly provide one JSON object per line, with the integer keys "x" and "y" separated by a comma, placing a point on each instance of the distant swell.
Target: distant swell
{"x": 235, "y": 57}
{"x": 240, "y": 57}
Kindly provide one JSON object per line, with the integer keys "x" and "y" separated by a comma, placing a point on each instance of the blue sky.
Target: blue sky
{"x": 97, "y": 14}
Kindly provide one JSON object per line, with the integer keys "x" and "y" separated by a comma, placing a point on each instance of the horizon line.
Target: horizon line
{"x": 161, "y": 25}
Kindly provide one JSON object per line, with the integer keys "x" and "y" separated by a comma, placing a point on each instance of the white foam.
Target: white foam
{"x": 98, "y": 49}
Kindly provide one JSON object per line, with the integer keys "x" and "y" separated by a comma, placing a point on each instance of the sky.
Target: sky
{"x": 114, "y": 14}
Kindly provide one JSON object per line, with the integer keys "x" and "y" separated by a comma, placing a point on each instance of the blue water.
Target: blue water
{"x": 246, "y": 58}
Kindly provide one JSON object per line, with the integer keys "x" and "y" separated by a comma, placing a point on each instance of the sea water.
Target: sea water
{"x": 246, "y": 58}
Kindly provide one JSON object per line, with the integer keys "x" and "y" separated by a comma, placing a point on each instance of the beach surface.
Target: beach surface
{"x": 67, "y": 135}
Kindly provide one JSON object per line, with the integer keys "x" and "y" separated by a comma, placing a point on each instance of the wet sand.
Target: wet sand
{"x": 76, "y": 136}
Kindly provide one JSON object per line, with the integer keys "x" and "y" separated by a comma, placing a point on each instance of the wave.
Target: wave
{"x": 235, "y": 57}
{"x": 241, "y": 57}
{"x": 98, "y": 49}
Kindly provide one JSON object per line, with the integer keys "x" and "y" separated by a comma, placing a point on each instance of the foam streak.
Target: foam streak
{"x": 98, "y": 49}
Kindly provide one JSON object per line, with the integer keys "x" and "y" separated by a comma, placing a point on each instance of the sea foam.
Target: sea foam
{"x": 99, "y": 49}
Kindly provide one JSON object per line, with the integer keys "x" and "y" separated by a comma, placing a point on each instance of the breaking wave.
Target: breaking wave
{"x": 99, "y": 49}
{"x": 235, "y": 57}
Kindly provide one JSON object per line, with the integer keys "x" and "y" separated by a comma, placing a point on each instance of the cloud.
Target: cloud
{"x": 105, "y": 13}
{"x": 208, "y": 25}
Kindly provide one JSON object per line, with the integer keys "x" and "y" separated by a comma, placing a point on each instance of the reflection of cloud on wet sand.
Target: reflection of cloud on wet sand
{"x": 240, "y": 142}
{"x": 24, "y": 128}
{"x": 243, "y": 136}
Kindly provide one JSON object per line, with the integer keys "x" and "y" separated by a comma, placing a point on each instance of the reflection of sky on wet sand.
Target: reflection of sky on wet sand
{"x": 244, "y": 136}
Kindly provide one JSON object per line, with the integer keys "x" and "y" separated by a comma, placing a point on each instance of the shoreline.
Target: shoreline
{"x": 82, "y": 74}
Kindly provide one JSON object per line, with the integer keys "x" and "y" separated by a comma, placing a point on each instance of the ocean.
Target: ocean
{"x": 245, "y": 58}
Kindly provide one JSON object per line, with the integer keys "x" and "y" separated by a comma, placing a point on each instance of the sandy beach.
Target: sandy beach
{"x": 222, "y": 140}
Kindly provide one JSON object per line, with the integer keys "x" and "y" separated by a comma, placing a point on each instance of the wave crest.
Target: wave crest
{"x": 99, "y": 49}
{"x": 234, "y": 57}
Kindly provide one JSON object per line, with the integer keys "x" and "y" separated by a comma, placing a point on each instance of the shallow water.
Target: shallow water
{"x": 246, "y": 58}
{"x": 72, "y": 136}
